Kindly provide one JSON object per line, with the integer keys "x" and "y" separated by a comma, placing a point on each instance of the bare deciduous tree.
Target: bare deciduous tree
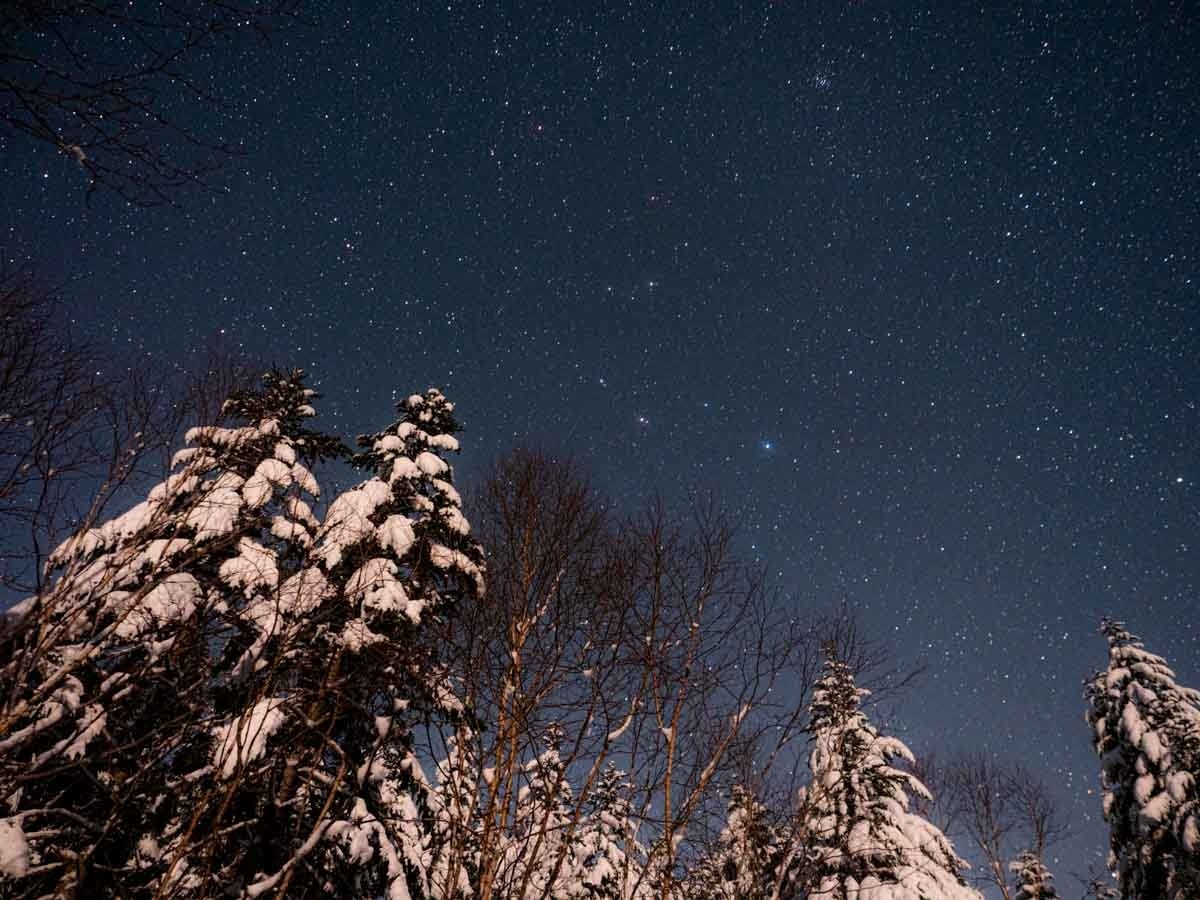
{"x": 639, "y": 641}
{"x": 74, "y": 433}
{"x": 1003, "y": 809}
{"x": 96, "y": 80}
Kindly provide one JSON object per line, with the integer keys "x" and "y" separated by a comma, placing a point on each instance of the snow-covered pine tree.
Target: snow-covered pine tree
{"x": 859, "y": 837}
{"x": 1100, "y": 889}
{"x": 609, "y": 862}
{"x": 117, "y": 667}
{"x": 1033, "y": 879}
{"x": 453, "y": 832}
{"x": 1146, "y": 729}
{"x": 537, "y": 860}
{"x": 746, "y": 862}
{"x": 348, "y": 807}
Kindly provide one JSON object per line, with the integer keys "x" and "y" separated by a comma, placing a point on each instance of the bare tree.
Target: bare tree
{"x": 639, "y": 641}
{"x": 547, "y": 647}
{"x": 97, "y": 80}
{"x": 61, "y": 430}
{"x": 1004, "y": 810}
{"x": 74, "y": 433}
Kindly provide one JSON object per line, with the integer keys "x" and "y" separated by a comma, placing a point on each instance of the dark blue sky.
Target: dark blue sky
{"x": 915, "y": 294}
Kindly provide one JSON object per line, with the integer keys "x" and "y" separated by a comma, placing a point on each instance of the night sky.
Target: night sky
{"x": 914, "y": 294}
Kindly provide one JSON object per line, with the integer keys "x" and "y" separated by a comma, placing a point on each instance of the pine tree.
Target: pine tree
{"x": 352, "y": 810}
{"x": 1033, "y": 879}
{"x": 609, "y": 861}
{"x": 453, "y": 829}
{"x": 1146, "y": 730}
{"x": 119, "y": 666}
{"x": 1100, "y": 888}
{"x": 538, "y": 861}
{"x": 746, "y": 862}
{"x": 860, "y": 839}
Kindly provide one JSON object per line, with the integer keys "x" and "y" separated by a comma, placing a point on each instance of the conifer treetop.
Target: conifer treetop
{"x": 1146, "y": 732}
{"x": 1034, "y": 881}
{"x": 283, "y": 399}
{"x": 861, "y": 838}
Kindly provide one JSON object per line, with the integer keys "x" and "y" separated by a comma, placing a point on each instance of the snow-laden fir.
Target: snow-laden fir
{"x": 862, "y": 840}
{"x": 1033, "y": 879}
{"x": 1146, "y": 731}
{"x": 238, "y": 676}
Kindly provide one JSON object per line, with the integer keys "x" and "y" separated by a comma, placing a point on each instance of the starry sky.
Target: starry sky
{"x": 914, "y": 293}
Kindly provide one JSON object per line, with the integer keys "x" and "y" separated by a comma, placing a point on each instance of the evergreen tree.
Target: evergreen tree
{"x": 393, "y": 554}
{"x": 746, "y": 862}
{"x": 453, "y": 832}
{"x": 1146, "y": 729}
{"x": 609, "y": 861}
{"x": 1101, "y": 889}
{"x": 538, "y": 861}
{"x": 859, "y": 837}
{"x": 1033, "y": 879}
{"x": 121, "y": 664}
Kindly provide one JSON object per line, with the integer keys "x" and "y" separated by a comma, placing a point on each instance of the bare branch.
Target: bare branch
{"x": 97, "y": 81}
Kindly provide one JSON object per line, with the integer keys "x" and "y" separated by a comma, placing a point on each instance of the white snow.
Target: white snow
{"x": 1157, "y": 809}
{"x": 1152, "y": 745}
{"x": 396, "y": 534}
{"x": 94, "y": 721}
{"x": 376, "y": 585}
{"x": 271, "y": 473}
{"x": 447, "y": 490}
{"x": 1178, "y": 785}
{"x": 431, "y": 463}
{"x": 160, "y": 551}
{"x": 301, "y": 512}
{"x": 171, "y": 600}
{"x": 357, "y": 634}
{"x": 245, "y": 738}
{"x": 347, "y": 521}
{"x": 455, "y": 520}
{"x": 14, "y": 849}
{"x": 1132, "y": 724}
{"x": 361, "y": 834}
{"x": 254, "y": 567}
{"x": 148, "y": 848}
{"x": 20, "y": 609}
{"x": 215, "y": 513}
{"x": 1143, "y": 787}
{"x": 217, "y": 436}
{"x": 1191, "y": 834}
{"x": 288, "y": 530}
{"x": 196, "y": 458}
{"x": 271, "y": 612}
{"x": 389, "y": 443}
{"x": 304, "y": 592}
{"x": 403, "y": 467}
{"x": 304, "y": 478}
{"x": 445, "y": 558}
